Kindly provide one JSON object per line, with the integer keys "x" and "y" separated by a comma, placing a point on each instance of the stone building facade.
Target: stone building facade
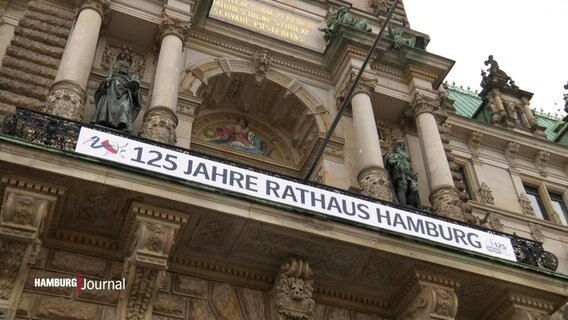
{"x": 256, "y": 85}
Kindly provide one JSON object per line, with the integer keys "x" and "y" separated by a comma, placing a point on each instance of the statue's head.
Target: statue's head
{"x": 399, "y": 145}
{"x": 124, "y": 63}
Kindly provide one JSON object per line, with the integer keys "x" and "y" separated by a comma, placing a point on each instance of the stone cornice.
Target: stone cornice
{"x": 500, "y": 136}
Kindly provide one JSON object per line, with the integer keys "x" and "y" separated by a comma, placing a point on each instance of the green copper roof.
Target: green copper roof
{"x": 467, "y": 102}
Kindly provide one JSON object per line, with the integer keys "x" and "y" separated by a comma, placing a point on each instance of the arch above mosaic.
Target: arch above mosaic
{"x": 238, "y": 133}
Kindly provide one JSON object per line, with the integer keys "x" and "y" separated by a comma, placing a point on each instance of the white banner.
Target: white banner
{"x": 262, "y": 186}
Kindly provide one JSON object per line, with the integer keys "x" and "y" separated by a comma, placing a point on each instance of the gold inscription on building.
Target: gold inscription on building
{"x": 269, "y": 20}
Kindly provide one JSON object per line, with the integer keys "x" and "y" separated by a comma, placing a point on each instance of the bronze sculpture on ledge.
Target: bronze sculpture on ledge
{"x": 117, "y": 98}
{"x": 403, "y": 178}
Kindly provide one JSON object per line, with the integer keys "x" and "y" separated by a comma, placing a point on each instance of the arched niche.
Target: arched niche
{"x": 279, "y": 110}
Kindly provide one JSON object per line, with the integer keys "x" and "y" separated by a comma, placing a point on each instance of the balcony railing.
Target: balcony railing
{"x": 60, "y": 133}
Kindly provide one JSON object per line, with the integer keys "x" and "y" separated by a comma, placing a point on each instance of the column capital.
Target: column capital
{"x": 423, "y": 102}
{"x": 173, "y": 26}
{"x": 102, "y": 7}
{"x": 365, "y": 85}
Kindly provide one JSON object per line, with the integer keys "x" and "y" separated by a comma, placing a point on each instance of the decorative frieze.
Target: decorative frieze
{"x": 173, "y": 26}
{"x": 160, "y": 125}
{"x": 375, "y": 183}
{"x": 291, "y": 296}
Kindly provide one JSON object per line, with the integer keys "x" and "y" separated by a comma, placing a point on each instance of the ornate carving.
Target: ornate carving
{"x": 496, "y": 75}
{"x": 446, "y": 202}
{"x": 160, "y": 125}
{"x": 526, "y": 205}
{"x": 474, "y": 142}
{"x": 112, "y": 52}
{"x": 375, "y": 183}
{"x": 512, "y": 152}
{"x": 536, "y": 232}
{"x": 541, "y": 162}
{"x": 380, "y": 7}
{"x": 101, "y": 6}
{"x": 494, "y": 222}
{"x": 261, "y": 61}
{"x": 292, "y": 291}
{"x": 423, "y": 103}
{"x": 432, "y": 301}
{"x": 11, "y": 256}
{"x": 386, "y": 136}
{"x": 143, "y": 284}
{"x": 486, "y": 193}
{"x": 66, "y": 99}
{"x": 173, "y": 26}
{"x": 365, "y": 85}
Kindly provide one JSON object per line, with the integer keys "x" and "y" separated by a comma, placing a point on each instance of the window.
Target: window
{"x": 559, "y": 206}
{"x": 536, "y": 202}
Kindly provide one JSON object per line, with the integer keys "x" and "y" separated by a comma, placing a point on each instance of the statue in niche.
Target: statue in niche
{"x": 239, "y": 137}
{"x": 397, "y": 35}
{"x": 403, "y": 178}
{"x": 117, "y": 98}
{"x": 337, "y": 16}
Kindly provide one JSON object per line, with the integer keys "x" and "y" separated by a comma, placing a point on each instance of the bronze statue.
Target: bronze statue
{"x": 403, "y": 178}
{"x": 336, "y": 16}
{"x": 118, "y": 99}
{"x": 397, "y": 35}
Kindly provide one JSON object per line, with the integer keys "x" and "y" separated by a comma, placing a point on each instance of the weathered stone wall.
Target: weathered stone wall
{"x": 33, "y": 56}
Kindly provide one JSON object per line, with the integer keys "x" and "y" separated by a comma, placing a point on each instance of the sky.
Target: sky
{"x": 529, "y": 40}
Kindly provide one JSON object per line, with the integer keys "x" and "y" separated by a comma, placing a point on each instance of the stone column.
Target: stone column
{"x": 67, "y": 95}
{"x": 430, "y": 296}
{"x": 443, "y": 194}
{"x": 160, "y": 121}
{"x": 153, "y": 237}
{"x": 520, "y": 307}
{"x": 372, "y": 176}
{"x": 291, "y": 296}
{"x": 21, "y": 220}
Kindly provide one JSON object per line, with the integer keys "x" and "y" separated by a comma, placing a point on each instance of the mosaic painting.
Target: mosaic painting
{"x": 241, "y": 134}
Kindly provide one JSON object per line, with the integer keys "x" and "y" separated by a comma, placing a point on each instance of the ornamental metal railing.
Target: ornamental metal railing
{"x": 60, "y": 133}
